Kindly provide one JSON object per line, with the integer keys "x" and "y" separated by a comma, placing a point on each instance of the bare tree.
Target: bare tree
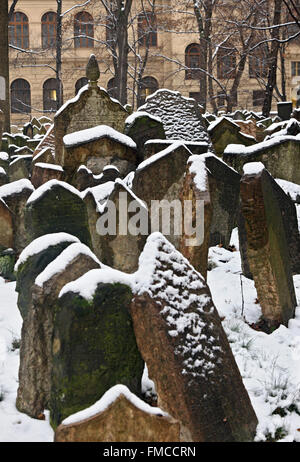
{"x": 4, "y": 64}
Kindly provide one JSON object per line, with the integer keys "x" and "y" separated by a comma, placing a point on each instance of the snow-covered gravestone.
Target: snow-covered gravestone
{"x": 15, "y": 196}
{"x": 6, "y": 226}
{"x": 92, "y": 106}
{"x": 1, "y": 114}
{"x": 119, "y": 416}
{"x": 94, "y": 345}
{"x": 181, "y": 116}
{"x": 268, "y": 249}
{"x": 224, "y": 131}
{"x": 20, "y": 167}
{"x": 56, "y": 207}
{"x": 43, "y": 172}
{"x": 50, "y": 268}
{"x": 181, "y": 339}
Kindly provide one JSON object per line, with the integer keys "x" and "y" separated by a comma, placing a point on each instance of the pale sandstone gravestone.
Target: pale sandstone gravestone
{"x": 267, "y": 245}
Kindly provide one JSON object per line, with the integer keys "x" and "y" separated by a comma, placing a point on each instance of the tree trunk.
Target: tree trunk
{"x": 272, "y": 72}
{"x": 4, "y": 65}
{"x": 58, "y": 72}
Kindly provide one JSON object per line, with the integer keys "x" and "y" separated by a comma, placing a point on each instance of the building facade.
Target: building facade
{"x": 164, "y": 53}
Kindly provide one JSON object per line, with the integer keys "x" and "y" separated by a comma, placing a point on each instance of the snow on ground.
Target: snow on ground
{"x": 269, "y": 364}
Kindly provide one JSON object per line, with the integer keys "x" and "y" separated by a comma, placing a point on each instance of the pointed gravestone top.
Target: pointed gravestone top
{"x": 92, "y": 69}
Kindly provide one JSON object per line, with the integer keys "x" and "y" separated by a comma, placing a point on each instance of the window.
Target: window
{"x": 258, "y": 97}
{"x": 147, "y": 29}
{"x": 83, "y": 30}
{"x": 226, "y": 63}
{"x": 48, "y": 30}
{"x": 148, "y": 86}
{"x": 50, "y": 90}
{"x": 192, "y": 61}
{"x": 111, "y": 88}
{"x": 295, "y": 68}
{"x": 80, "y": 83}
{"x": 20, "y": 98}
{"x": 258, "y": 64}
{"x": 19, "y": 30}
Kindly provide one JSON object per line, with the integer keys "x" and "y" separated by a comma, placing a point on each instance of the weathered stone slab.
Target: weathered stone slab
{"x": 57, "y": 207}
{"x": 280, "y": 155}
{"x": 15, "y": 196}
{"x": 141, "y": 127}
{"x": 97, "y": 147}
{"x": 36, "y": 342}
{"x": 20, "y": 168}
{"x": 225, "y": 131}
{"x": 268, "y": 248}
{"x": 119, "y": 416}
{"x": 6, "y": 226}
{"x": 45, "y": 150}
{"x": 154, "y": 146}
{"x": 181, "y": 116}
{"x": 1, "y": 123}
{"x": 181, "y": 339}
{"x": 7, "y": 263}
{"x": 43, "y": 172}
{"x": 94, "y": 346}
{"x": 121, "y": 247}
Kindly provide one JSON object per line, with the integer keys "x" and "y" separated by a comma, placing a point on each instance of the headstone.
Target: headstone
{"x": 47, "y": 147}
{"x": 57, "y": 207}
{"x": 267, "y": 248}
{"x": 119, "y": 416}
{"x": 225, "y": 131}
{"x": 285, "y": 109}
{"x": 1, "y": 120}
{"x": 97, "y": 147}
{"x": 141, "y": 127}
{"x": 94, "y": 346}
{"x": 7, "y": 263}
{"x": 181, "y": 116}
{"x": 181, "y": 339}
{"x": 92, "y": 106}
{"x": 43, "y": 172}
{"x": 3, "y": 176}
{"x": 6, "y": 226}
{"x": 15, "y": 196}
{"x": 20, "y": 167}
{"x": 36, "y": 342}
{"x": 156, "y": 145}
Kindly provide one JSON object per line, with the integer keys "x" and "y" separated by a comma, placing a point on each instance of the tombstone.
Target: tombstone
{"x": 45, "y": 156}
{"x": 43, "y": 172}
{"x": 121, "y": 248}
{"x": 284, "y": 109}
{"x": 190, "y": 360}
{"x": 267, "y": 251}
{"x": 6, "y": 226}
{"x": 72, "y": 261}
{"x": 243, "y": 245}
{"x": 155, "y": 146}
{"x": 92, "y": 106}
{"x": 181, "y": 116}
{"x": 94, "y": 346}
{"x": 20, "y": 167}
{"x": 56, "y": 207}
{"x": 4, "y": 160}
{"x": 15, "y": 196}
{"x": 119, "y": 416}
{"x": 48, "y": 142}
{"x": 3, "y": 176}
{"x": 2, "y": 118}
{"x": 280, "y": 156}
{"x": 97, "y": 147}
{"x": 225, "y": 131}
{"x": 7, "y": 263}
{"x": 141, "y": 127}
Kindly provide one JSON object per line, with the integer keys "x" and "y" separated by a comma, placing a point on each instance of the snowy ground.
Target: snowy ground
{"x": 269, "y": 364}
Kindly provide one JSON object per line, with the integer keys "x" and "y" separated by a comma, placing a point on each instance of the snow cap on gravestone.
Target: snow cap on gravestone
{"x": 92, "y": 69}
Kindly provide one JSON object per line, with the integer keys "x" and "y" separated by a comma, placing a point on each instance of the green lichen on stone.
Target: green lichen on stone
{"x": 94, "y": 348}
{"x": 7, "y": 263}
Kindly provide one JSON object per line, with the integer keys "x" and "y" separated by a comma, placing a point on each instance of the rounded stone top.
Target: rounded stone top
{"x": 92, "y": 69}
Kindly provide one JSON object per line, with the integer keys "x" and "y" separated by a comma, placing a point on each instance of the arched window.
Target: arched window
{"x": 80, "y": 83}
{"x": 50, "y": 91}
{"x": 226, "y": 64}
{"x": 148, "y": 86}
{"x": 20, "y": 98}
{"x": 83, "y": 30}
{"x": 111, "y": 88}
{"x": 19, "y": 30}
{"x": 258, "y": 63}
{"x": 147, "y": 29}
{"x": 48, "y": 29}
{"x": 192, "y": 61}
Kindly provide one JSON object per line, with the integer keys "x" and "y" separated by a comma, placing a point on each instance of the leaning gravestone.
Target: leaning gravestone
{"x": 56, "y": 207}
{"x": 267, "y": 245}
{"x": 181, "y": 339}
{"x": 43, "y": 172}
{"x": 36, "y": 342}
{"x": 181, "y": 116}
{"x": 119, "y": 416}
{"x": 92, "y": 106}
{"x": 6, "y": 226}
{"x": 94, "y": 346}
